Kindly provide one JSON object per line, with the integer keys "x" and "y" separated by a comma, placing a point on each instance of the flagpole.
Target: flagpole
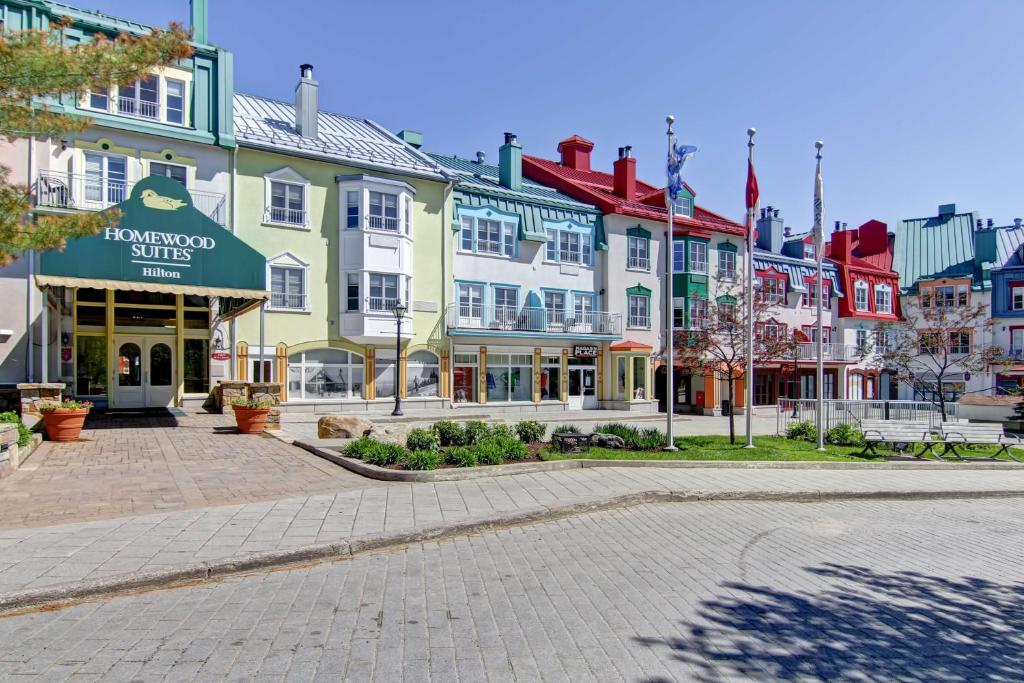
{"x": 819, "y": 248}
{"x": 751, "y": 214}
{"x": 670, "y": 443}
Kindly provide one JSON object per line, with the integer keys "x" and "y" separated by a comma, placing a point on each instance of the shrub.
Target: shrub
{"x": 625, "y": 432}
{"x": 648, "y": 440}
{"x": 450, "y": 433}
{"x": 530, "y": 431}
{"x": 844, "y": 435}
{"x": 422, "y": 460}
{"x": 67, "y": 404}
{"x": 489, "y": 451}
{"x": 801, "y": 431}
{"x": 512, "y": 448}
{"x": 476, "y": 431}
{"x": 24, "y": 433}
{"x": 503, "y": 430}
{"x": 384, "y": 454}
{"x": 566, "y": 429}
{"x": 461, "y": 456}
{"x": 422, "y": 440}
{"x": 360, "y": 447}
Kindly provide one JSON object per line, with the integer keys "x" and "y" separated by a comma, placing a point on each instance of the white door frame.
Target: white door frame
{"x": 583, "y": 400}
{"x": 129, "y": 396}
{"x": 159, "y": 396}
{"x": 145, "y": 394}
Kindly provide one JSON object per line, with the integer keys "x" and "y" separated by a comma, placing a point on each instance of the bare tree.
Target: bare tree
{"x": 935, "y": 341}
{"x": 718, "y": 343}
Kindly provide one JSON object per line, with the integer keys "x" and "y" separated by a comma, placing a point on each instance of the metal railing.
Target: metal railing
{"x": 288, "y": 301}
{"x": 642, "y": 321}
{"x": 132, "y": 106}
{"x": 837, "y": 412}
{"x": 379, "y": 304}
{"x": 389, "y": 223}
{"x": 283, "y": 215}
{"x": 638, "y": 263}
{"x": 58, "y": 190}
{"x": 1015, "y": 353}
{"x": 531, "y": 319}
{"x": 840, "y": 352}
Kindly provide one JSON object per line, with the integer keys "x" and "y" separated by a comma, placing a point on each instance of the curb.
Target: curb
{"x": 483, "y": 471}
{"x": 63, "y": 595}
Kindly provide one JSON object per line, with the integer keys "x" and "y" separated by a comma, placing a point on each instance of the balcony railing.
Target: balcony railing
{"x": 57, "y": 190}
{"x": 641, "y": 321}
{"x": 638, "y": 263}
{"x": 388, "y": 223}
{"x": 283, "y": 215}
{"x": 834, "y": 352}
{"x": 1015, "y": 353}
{"x": 286, "y": 301}
{"x": 530, "y": 319}
{"x": 144, "y": 109}
{"x": 380, "y": 304}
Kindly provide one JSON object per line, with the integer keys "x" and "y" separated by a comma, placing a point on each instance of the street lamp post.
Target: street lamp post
{"x": 399, "y": 311}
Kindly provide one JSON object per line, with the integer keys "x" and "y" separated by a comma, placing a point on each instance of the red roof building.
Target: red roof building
{"x": 864, "y": 258}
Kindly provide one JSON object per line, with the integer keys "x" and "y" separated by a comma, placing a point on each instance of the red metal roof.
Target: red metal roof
{"x": 597, "y": 188}
{"x": 630, "y": 345}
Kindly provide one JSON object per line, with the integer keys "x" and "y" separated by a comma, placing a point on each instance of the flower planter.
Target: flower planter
{"x": 250, "y": 420}
{"x": 64, "y": 424}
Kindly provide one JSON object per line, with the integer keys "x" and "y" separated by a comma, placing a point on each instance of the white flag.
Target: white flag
{"x": 819, "y": 211}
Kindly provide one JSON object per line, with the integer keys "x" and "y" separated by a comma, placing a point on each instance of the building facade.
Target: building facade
{"x": 352, "y": 221}
{"x": 707, "y": 253}
{"x": 863, "y": 257}
{"x": 1007, "y": 300}
{"x": 175, "y": 123}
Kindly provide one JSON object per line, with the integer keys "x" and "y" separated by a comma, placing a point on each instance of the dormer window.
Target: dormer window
{"x": 860, "y": 295}
{"x": 157, "y": 97}
{"x": 141, "y": 98}
{"x": 772, "y": 287}
{"x": 883, "y": 299}
{"x": 1017, "y": 296}
{"x": 809, "y": 250}
{"x": 683, "y": 206}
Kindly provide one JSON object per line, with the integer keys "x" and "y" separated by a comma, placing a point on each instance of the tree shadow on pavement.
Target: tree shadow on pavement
{"x": 868, "y": 625}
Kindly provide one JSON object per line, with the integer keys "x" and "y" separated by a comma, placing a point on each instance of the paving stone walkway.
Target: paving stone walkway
{"x": 725, "y": 591}
{"x": 134, "y": 465}
{"x": 61, "y": 554}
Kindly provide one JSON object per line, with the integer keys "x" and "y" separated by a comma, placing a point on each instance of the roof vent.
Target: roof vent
{"x": 991, "y": 223}
{"x": 1017, "y": 222}
{"x": 787, "y": 231}
{"x": 978, "y": 224}
{"x": 481, "y": 157}
{"x": 775, "y": 213}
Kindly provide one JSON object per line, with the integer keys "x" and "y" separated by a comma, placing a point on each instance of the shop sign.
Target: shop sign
{"x": 221, "y": 355}
{"x": 584, "y": 351}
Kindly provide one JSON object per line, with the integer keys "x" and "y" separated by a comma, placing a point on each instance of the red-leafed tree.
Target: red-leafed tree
{"x": 717, "y": 344}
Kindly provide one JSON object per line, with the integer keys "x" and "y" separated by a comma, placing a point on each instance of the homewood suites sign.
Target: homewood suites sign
{"x": 161, "y": 238}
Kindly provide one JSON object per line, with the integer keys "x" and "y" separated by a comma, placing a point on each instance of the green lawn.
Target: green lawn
{"x": 766, "y": 448}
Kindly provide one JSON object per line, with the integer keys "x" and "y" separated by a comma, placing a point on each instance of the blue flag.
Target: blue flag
{"x": 677, "y": 156}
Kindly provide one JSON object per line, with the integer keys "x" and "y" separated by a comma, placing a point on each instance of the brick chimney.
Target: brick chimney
{"x": 624, "y": 170}
{"x": 575, "y": 152}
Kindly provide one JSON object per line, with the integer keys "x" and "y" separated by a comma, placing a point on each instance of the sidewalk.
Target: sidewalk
{"x": 110, "y": 553}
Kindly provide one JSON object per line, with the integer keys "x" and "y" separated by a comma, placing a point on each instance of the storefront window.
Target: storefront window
{"x": 320, "y": 374}
{"x": 509, "y": 377}
{"x": 620, "y": 379}
{"x": 92, "y": 366}
{"x": 197, "y": 366}
{"x": 384, "y": 374}
{"x": 550, "y": 378}
{"x": 639, "y": 378}
{"x": 423, "y": 374}
{"x": 464, "y": 378}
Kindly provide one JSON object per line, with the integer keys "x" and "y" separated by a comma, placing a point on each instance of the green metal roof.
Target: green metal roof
{"x": 477, "y": 185}
{"x": 939, "y": 246}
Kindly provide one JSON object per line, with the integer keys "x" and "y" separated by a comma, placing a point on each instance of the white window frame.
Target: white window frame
{"x": 347, "y": 369}
{"x": 288, "y": 261}
{"x": 886, "y": 297}
{"x": 111, "y": 191}
{"x": 638, "y": 253}
{"x": 860, "y": 290}
{"x": 578, "y": 252}
{"x": 168, "y": 164}
{"x": 471, "y": 228}
{"x": 1016, "y": 292}
{"x": 289, "y": 177}
{"x": 702, "y": 262}
{"x": 683, "y": 206}
{"x": 809, "y": 251}
{"x": 698, "y": 322}
{"x": 349, "y": 276}
{"x": 382, "y": 222}
{"x": 729, "y": 272}
{"x": 555, "y": 312}
{"x": 138, "y": 102}
{"x": 638, "y": 321}
{"x": 166, "y": 100}
{"x": 382, "y": 308}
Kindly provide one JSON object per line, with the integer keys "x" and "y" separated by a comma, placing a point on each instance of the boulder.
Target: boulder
{"x": 600, "y": 440}
{"x": 395, "y": 432}
{"x": 342, "y": 427}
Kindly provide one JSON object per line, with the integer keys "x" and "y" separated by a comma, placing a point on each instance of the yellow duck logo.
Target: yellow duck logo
{"x": 152, "y": 200}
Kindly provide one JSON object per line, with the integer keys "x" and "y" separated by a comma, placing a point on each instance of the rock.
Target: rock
{"x": 599, "y": 440}
{"x": 396, "y": 432}
{"x": 342, "y": 427}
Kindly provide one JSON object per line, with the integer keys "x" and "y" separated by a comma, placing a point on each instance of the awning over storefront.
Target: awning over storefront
{"x": 162, "y": 244}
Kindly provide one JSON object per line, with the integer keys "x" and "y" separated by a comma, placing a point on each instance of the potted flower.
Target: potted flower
{"x": 63, "y": 421}
{"x": 251, "y": 414}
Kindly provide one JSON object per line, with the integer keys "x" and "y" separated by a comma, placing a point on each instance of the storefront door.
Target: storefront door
{"x": 144, "y": 369}
{"x": 582, "y": 388}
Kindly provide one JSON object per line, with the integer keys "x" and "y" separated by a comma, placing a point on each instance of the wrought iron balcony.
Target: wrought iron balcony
{"x": 638, "y": 263}
{"x": 86, "y": 192}
{"x": 143, "y": 109}
{"x": 467, "y": 317}
{"x": 284, "y": 216}
{"x": 287, "y": 302}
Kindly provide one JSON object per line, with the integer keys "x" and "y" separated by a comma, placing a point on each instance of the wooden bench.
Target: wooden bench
{"x": 896, "y": 432}
{"x": 965, "y": 433}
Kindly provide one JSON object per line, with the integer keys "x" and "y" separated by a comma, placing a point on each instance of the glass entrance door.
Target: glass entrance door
{"x": 144, "y": 375}
{"x": 582, "y": 388}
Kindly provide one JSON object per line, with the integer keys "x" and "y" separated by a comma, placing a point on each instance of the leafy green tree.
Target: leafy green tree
{"x": 36, "y": 66}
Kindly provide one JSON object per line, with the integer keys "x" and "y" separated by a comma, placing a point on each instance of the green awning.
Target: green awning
{"x": 162, "y": 243}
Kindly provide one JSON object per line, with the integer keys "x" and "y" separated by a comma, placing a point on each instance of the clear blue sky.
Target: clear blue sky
{"x": 918, "y": 103}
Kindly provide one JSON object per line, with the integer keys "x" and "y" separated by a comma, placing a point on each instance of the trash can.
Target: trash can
{"x": 726, "y": 407}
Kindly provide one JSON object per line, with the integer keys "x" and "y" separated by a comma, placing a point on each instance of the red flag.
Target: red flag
{"x": 752, "y": 196}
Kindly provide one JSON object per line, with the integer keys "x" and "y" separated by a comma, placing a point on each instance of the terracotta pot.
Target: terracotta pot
{"x": 64, "y": 424}
{"x": 250, "y": 420}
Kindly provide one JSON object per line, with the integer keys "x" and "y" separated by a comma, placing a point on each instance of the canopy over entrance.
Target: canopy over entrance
{"x": 162, "y": 244}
